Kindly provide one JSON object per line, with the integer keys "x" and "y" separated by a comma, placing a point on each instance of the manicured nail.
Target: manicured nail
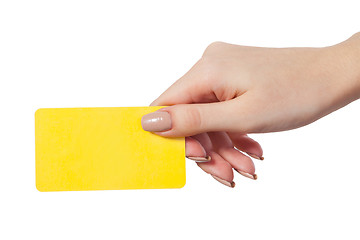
{"x": 158, "y": 121}
{"x": 255, "y": 156}
{"x": 248, "y": 175}
{"x": 200, "y": 159}
{"x": 229, "y": 184}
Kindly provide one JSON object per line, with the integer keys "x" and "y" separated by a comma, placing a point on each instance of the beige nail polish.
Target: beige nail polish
{"x": 158, "y": 121}
{"x": 248, "y": 175}
{"x": 255, "y": 156}
{"x": 200, "y": 159}
{"x": 229, "y": 184}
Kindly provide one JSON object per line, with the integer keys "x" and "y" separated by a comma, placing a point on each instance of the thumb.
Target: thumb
{"x": 190, "y": 119}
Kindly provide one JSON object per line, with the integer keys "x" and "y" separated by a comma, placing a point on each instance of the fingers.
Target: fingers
{"x": 246, "y": 144}
{"x": 218, "y": 168}
{"x": 224, "y": 147}
{"x": 194, "y": 150}
{"x": 220, "y": 147}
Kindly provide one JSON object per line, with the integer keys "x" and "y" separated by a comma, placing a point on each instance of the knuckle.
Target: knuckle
{"x": 213, "y": 48}
{"x": 191, "y": 117}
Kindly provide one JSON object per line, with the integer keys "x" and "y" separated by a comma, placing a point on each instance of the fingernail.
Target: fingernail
{"x": 248, "y": 175}
{"x": 255, "y": 156}
{"x": 158, "y": 121}
{"x": 229, "y": 184}
{"x": 200, "y": 159}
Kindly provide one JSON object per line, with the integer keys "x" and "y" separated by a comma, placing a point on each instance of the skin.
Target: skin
{"x": 235, "y": 90}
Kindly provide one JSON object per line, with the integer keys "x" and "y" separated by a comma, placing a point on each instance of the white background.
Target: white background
{"x": 125, "y": 53}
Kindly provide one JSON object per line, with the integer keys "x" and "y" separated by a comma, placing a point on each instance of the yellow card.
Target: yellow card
{"x": 104, "y": 149}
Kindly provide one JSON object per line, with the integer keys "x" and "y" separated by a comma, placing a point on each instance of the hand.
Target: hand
{"x": 234, "y": 90}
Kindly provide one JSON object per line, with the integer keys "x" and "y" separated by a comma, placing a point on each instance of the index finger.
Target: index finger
{"x": 190, "y": 88}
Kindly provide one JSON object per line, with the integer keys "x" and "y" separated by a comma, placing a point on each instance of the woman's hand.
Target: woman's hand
{"x": 234, "y": 90}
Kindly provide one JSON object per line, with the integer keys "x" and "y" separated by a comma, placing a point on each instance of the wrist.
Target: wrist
{"x": 352, "y": 49}
{"x": 344, "y": 61}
